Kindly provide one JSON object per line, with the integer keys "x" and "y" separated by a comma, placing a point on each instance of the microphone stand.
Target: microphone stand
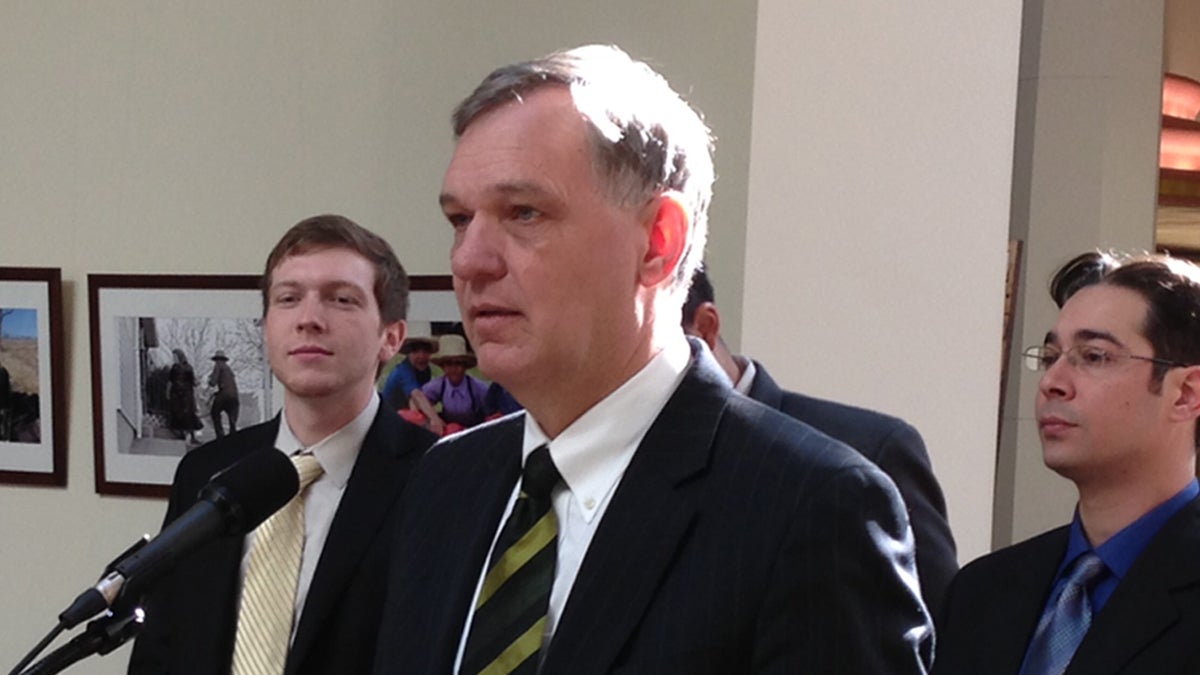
{"x": 66, "y": 620}
{"x": 101, "y": 637}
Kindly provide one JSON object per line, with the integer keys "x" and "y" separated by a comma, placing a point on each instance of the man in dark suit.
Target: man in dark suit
{"x": 662, "y": 522}
{"x": 334, "y": 299}
{"x": 1117, "y": 590}
{"x": 891, "y": 443}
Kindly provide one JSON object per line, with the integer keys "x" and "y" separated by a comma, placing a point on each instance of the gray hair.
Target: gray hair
{"x": 645, "y": 138}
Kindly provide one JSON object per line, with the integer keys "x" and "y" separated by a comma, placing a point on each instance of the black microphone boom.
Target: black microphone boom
{"x": 234, "y": 502}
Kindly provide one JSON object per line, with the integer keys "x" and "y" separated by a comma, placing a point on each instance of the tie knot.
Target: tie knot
{"x": 540, "y": 475}
{"x": 1088, "y": 567}
{"x": 308, "y": 468}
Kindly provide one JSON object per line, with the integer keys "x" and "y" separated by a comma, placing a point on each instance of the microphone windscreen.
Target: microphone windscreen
{"x": 253, "y": 489}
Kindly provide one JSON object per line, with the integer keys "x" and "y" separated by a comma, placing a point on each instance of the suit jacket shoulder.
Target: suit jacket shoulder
{"x": 993, "y": 605}
{"x": 897, "y": 448}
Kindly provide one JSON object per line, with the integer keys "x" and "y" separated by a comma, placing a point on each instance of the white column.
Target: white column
{"x": 880, "y": 167}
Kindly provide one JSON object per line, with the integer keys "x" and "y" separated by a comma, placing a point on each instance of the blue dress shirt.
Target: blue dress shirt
{"x": 1121, "y": 550}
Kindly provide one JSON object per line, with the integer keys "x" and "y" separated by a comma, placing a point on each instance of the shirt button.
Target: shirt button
{"x": 589, "y": 504}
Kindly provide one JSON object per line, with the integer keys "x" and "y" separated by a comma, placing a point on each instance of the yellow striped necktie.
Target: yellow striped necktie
{"x": 510, "y": 614}
{"x": 264, "y": 626}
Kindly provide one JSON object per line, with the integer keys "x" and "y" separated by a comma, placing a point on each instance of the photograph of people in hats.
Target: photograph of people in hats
{"x": 454, "y": 400}
{"x": 413, "y": 371}
{"x": 225, "y": 398}
{"x": 185, "y": 381}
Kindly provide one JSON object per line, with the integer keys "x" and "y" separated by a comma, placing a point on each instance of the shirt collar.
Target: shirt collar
{"x": 336, "y": 452}
{"x": 746, "y": 381}
{"x": 1124, "y": 547}
{"x": 592, "y": 453}
{"x": 466, "y": 381}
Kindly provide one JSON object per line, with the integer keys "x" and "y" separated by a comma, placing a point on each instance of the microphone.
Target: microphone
{"x": 234, "y": 502}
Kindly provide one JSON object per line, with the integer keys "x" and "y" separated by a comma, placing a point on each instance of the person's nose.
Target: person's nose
{"x": 310, "y": 316}
{"x": 478, "y": 251}
{"x": 1058, "y": 380}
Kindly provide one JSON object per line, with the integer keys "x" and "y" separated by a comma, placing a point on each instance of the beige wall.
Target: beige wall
{"x": 175, "y": 137}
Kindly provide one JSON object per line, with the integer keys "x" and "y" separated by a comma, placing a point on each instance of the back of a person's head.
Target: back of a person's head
{"x": 699, "y": 292}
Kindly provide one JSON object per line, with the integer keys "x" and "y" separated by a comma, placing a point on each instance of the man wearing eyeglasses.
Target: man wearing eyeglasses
{"x": 1117, "y": 590}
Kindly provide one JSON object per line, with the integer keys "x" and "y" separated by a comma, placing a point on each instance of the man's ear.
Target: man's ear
{"x": 390, "y": 341}
{"x": 667, "y": 220}
{"x": 1187, "y": 399}
{"x": 707, "y": 324}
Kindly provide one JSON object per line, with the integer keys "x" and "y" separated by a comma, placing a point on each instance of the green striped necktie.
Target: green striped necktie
{"x": 510, "y": 615}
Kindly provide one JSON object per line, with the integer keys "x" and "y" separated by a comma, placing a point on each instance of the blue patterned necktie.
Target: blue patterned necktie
{"x": 1065, "y": 622}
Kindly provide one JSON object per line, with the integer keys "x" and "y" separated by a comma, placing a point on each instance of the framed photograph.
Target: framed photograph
{"x": 432, "y": 311}
{"x": 33, "y": 425}
{"x": 435, "y": 381}
{"x": 177, "y": 361}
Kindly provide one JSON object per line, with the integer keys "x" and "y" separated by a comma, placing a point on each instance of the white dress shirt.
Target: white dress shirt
{"x": 591, "y": 455}
{"x": 746, "y": 381}
{"x": 337, "y": 454}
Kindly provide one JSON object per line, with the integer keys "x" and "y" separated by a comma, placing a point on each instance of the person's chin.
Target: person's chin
{"x": 309, "y": 386}
{"x": 1059, "y": 457}
{"x": 501, "y": 363}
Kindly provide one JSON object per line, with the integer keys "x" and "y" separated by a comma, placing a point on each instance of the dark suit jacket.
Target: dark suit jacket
{"x": 1150, "y": 625}
{"x": 191, "y": 616}
{"x": 894, "y": 446}
{"x": 738, "y": 540}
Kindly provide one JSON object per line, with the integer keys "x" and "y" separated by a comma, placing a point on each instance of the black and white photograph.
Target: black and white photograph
{"x": 197, "y": 378}
{"x": 177, "y": 361}
{"x": 32, "y": 440}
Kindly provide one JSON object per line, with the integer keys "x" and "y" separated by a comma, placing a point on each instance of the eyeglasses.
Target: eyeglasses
{"x": 1086, "y": 358}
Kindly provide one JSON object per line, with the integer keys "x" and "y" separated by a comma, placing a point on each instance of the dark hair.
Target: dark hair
{"x": 1171, "y": 288}
{"x": 645, "y": 139}
{"x": 1083, "y": 270}
{"x": 700, "y": 292}
{"x": 333, "y": 231}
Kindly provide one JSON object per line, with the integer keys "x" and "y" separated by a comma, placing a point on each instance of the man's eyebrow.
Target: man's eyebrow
{"x": 342, "y": 284}
{"x": 1085, "y": 334}
{"x": 507, "y": 188}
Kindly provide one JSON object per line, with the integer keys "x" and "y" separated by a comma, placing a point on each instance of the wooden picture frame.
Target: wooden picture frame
{"x": 155, "y": 344}
{"x": 33, "y": 425}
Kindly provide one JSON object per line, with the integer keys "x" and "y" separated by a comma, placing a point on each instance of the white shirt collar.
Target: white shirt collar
{"x": 336, "y": 452}
{"x": 593, "y": 452}
{"x": 746, "y": 381}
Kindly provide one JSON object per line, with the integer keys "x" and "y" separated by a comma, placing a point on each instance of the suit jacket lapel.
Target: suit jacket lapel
{"x": 1142, "y": 607}
{"x": 369, "y": 493}
{"x": 642, "y": 528}
{"x": 1019, "y": 602}
{"x": 1000, "y": 618}
{"x": 216, "y": 607}
{"x": 481, "y": 470}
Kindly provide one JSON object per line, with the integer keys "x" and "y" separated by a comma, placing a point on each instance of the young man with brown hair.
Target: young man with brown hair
{"x": 334, "y": 302}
